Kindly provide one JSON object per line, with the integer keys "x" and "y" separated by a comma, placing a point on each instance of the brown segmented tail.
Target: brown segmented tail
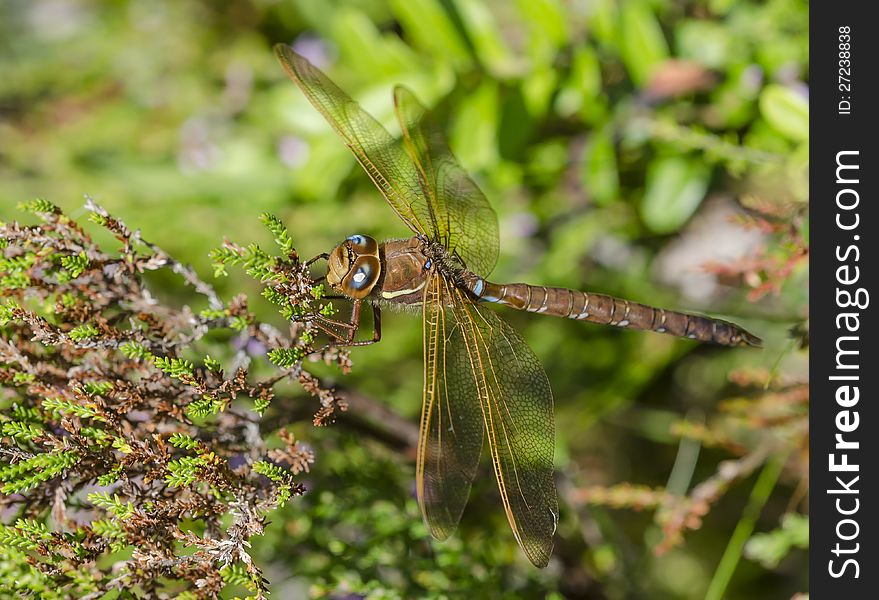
{"x": 607, "y": 310}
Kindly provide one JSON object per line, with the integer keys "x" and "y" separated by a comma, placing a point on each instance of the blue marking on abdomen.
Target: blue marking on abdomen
{"x": 479, "y": 288}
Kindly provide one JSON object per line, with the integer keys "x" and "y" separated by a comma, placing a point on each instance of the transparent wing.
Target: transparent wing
{"x": 516, "y": 404}
{"x": 380, "y": 155}
{"x": 450, "y": 439}
{"x": 465, "y": 222}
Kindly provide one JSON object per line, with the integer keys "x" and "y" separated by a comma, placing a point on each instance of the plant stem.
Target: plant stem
{"x": 730, "y": 559}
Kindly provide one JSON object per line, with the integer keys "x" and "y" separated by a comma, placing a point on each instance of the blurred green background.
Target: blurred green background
{"x": 624, "y": 145}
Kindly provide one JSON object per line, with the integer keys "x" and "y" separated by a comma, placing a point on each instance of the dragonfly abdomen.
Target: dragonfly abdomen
{"x": 608, "y": 310}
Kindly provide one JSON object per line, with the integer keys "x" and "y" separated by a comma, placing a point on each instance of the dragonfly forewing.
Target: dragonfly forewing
{"x": 450, "y": 439}
{"x": 380, "y": 155}
{"x": 466, "y": 225}
{"x": 516, "y": 403}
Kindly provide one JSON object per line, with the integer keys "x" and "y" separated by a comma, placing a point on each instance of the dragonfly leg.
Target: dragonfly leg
{"x": 376, "y": 324}
{"x": 355, "y": 322}
{"x": 351, "y": 328}
{"x": 322, "y": 256}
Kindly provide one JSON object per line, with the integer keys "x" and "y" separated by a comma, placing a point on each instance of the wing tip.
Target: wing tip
{"x": 403, "y": 94}
{"x": 282, "y": 51}
{"x": 540, "y": 561}
{"x": 290, "y": 60}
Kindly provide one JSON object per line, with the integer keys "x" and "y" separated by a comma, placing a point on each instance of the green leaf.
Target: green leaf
{"x": 212, "y": 364}
{"x": 427, "y": 24}
{"x": 604, "y": 22}
{"x": 205, "y": 406}
{"x": 115, "y": 505}
{"x": 182, "y": 440}
{"x": 547, "y": 18}
{"x": 675, "y": 188}
{"x": 485, "y": 36}
{"x": 175, "y": 367}
{"x": 183, "y": 471}
{"x": 474, "y": 137}
{"x": 282, "y": 236}
{"x": 709, "y": 43}
{"x": 786, "y": 111}
{"x": 135, "y": 351}
{"x": 600, "y": 175}
{"x": 581, "y": 92}
{"x": 286, "y": 357}
{"x": 75, "y": 265}
{"x": 643, "y": 44}
{"x": 39, "y": 206}
{"x": 84, "y": 411}
{"x": 771, "y": 548}
{"x": 270, "y": 470}
{"x": 111, "y": 477}
{"x": 83, "y": 332}
{"x": 7, "y": 311}
{"x": 538, "y": 88}
{"x": 21, "y": 431}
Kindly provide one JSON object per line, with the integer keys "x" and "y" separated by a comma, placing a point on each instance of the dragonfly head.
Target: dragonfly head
{"x": 353, "y": 267}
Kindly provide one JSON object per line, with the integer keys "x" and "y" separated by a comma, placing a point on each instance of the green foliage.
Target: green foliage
{"x": 28, "y": 473}
{"x": 183, "y": 471}
{"x": 642, "y": 44}
{"x": 14, "y": 271}
{"x": 97, "y": 388}
{"x": 260, "y": 405}
{"x": 70, "y": 407}
{"x": 675, "y": 188}
{"x": 181, "y": 440}
{"x": 175, "y": 367}
{"x": 122, "y": 510}
{"x": 282, "y": 236}
{"x": 75, "y": 265}
{"x": 273, "y": 472}
{"x": 22, "y": 431}
{"x": 135, "y": 351}
{"x": 27, "y": 534}
{"x": 237, "y": 575}
{"x": 278, "y": 475}
{"x": 786, "y": 111}
{"x": 253, "y": 259}
{"x": 83, "y": 332}
{"x": 212, "y": 364}
{"x": 772, "y": 547}
{"x": 111, "y": 530}
{"x": 38, "y": 207}
{"x": 286, "y": 357}
{"x": 8, "y": 311}
{"x": 111, "y": 477}
{"x": 206, "y": 406}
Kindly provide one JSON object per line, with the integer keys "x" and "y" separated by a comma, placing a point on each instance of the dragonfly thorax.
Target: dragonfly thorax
{"x": 354, "y": 267}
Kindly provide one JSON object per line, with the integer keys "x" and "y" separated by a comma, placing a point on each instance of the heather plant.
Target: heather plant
{"x": 129, "y": 458}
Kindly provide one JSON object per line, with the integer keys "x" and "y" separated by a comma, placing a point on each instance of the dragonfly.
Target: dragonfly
{"x": 481, "y": 380}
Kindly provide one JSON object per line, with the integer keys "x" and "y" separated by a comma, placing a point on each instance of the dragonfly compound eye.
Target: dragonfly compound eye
{"x": 362, "y": 244}
{"x": 362, "y": 277}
